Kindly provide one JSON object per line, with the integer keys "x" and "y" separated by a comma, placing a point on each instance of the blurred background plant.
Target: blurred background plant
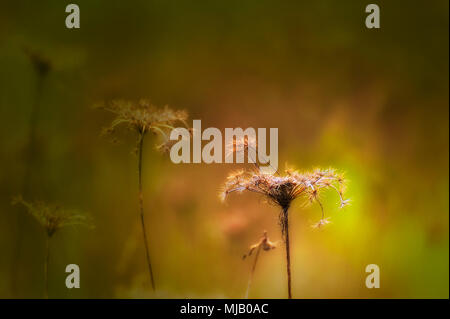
{"x": 373, "y": 103}
{"x": 42, "y": 67}
{"x": 142, "y": 117}
{"x": 52, "y": 218}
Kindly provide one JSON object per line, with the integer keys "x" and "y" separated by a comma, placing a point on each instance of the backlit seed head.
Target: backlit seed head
{"x": 282, "y": 190}
{"x": 142, "y": 116}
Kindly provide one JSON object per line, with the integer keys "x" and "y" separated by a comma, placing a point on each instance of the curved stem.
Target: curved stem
{"x": 252, "y": 272}
{"x": 141, "y": 208}
{"x": 288, "y": 254}
{"x": 47, "y": 258}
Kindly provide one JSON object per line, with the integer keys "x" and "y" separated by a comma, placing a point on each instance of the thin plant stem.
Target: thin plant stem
{"x": 141, "y": 207}
{"x": 32, "y": 139}
{"x": 252, "y": 272}
{"x": 288, "y": 254}
{"x": 31, "y": 153}
{"x": 47, "y": 258}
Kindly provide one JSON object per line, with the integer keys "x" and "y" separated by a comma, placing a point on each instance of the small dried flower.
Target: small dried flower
{"x": 248, "y": 145}
{"x": 241, "y": 145}
{"x": 321, "y": 223}
{"x": 51, "y": 217}
{"x": 344, "y": 203}
{"x": 263, "y": 243}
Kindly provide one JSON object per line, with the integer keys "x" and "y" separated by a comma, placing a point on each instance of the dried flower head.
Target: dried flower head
{"x": 51, "y": 217}
{"x": 282, "y": 190}
{"x": 263, "y": 243}
{"x": 143, "y": 117}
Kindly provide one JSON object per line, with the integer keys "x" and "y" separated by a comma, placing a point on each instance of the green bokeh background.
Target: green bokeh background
{"x": 373, "y": 103}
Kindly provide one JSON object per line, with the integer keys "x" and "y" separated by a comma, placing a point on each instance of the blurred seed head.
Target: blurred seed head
{"x": 142, "y": 117}
{"x": 51, "y": 217}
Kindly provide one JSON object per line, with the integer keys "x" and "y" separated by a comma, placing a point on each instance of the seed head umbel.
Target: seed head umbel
{"x": 142, "y": 116}
{"x": 52, "y": 217}
{"x": 283, "y": 190}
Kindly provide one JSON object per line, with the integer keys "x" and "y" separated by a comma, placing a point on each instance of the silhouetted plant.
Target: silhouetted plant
{"x": 283, "y": 190}
{"x": 52, "y": 218}
{"x": 142, "y": 117}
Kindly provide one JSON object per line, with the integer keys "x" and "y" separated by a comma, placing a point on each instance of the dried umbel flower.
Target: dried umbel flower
{"x": 248, "y": 145}
{"x": 265, "y": 244}
{"x": 52, "y": 218}
{"x": 142, "y": 117}
{"x": 283, "y": 190}
{"x": 244, "y": 145}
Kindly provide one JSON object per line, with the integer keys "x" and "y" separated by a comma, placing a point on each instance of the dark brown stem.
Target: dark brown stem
{"x": 253, "y": 271}
{"x": 288, "y": 254}
{"x": 47, "y": 258}
{"x": 141, "y": 207}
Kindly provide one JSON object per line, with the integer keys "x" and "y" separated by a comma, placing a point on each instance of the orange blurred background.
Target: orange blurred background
{"x": 372, "y": 103}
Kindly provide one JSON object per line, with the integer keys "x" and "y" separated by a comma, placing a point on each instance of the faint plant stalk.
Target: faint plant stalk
{"x": 283, "y": 190}
{"x": 51, "y": 218}
{"x": 143, "y": 117}
{"x": 265, "y": 244}
{"x": 42, "y": 67}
